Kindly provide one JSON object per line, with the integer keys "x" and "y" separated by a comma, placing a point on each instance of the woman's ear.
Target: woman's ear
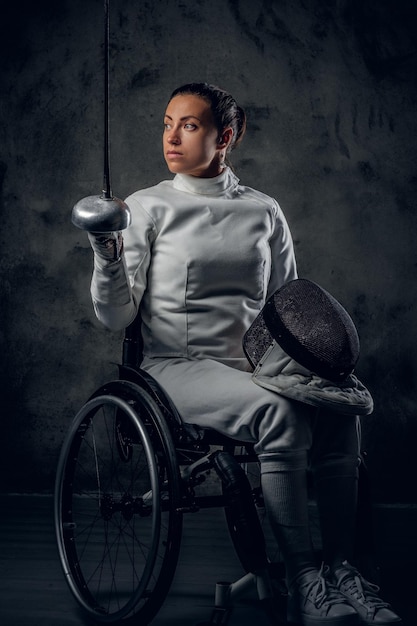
{"x": 225, "y": 138}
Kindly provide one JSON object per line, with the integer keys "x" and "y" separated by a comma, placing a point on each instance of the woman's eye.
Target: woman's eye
{"x": 190, "y": 126}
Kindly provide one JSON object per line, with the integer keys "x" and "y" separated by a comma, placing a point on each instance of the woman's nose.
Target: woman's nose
{"x": 173, "y": 137}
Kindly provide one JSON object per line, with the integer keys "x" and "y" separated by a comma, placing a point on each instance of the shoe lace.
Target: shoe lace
{"x": 322, "y": 591}
{"x": 364, "y": 590}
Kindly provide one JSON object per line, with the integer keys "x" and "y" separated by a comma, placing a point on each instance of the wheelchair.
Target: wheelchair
{"x": 128, "y": 471}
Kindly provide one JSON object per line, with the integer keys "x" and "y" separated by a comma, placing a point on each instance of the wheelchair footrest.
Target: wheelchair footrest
{"x": 219, "y": 617}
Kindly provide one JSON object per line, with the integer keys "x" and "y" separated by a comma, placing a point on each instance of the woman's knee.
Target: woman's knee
{"x": 285, "y": 425}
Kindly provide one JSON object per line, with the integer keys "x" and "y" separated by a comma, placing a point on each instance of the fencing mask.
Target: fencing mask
{"x": 312, "y": 328}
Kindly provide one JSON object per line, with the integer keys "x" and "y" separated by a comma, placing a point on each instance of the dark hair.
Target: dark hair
{"x": 225, "y": 110}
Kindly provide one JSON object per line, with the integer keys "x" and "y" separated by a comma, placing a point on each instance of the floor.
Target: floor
{"x": 34, "y": 593}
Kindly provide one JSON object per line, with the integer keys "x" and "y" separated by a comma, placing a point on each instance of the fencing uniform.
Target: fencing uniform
{"x": 200, "y": 259}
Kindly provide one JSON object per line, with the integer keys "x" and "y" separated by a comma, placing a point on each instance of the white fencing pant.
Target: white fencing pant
{"x": 287, "y": 436}
{"x": 212, "y": 395}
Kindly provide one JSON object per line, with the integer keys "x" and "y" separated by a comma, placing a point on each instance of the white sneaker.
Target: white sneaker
{"x": 314, "y": 601}
{"x": 363, "y": 596}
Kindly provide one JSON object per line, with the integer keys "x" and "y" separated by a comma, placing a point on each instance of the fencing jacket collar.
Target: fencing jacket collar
{"x": 220, "y": 185}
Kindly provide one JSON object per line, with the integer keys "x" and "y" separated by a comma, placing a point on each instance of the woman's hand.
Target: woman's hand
{"x": 107, "y": 246}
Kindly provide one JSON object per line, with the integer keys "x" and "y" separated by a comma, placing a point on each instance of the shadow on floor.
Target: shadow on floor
{"x": 33, "y": 590}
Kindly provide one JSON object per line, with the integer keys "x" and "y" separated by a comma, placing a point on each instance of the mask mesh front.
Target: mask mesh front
{"x": 313, "y": 328}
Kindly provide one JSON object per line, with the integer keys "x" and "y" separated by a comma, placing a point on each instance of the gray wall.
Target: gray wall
{"x": 330, "y": 92}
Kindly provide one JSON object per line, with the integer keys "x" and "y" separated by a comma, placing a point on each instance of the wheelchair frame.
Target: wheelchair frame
{"x": 126, "y": 474}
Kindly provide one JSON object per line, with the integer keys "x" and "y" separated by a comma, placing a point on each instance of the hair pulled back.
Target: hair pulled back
{"x": 226, "y": 112}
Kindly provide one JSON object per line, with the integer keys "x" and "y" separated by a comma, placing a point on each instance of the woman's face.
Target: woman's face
{"x": 191, "y": 140}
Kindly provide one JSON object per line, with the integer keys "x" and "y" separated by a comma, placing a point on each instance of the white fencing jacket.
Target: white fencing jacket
{"x": 200, "y": 259}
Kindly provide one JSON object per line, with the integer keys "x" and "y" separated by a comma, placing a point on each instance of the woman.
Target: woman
{"x": 199, "y": 261}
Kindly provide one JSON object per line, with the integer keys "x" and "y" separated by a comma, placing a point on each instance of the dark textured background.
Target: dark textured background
{"x": 330, "y": 92}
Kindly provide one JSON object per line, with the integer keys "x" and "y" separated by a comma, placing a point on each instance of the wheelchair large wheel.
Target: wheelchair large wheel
{"x": 117, "y": 499}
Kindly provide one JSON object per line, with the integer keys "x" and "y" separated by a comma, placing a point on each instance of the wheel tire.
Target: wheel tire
{"x": 117, "y": 496}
